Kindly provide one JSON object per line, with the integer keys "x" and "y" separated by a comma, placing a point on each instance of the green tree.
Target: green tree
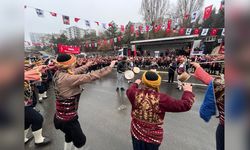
{"x": 128, "y": 36}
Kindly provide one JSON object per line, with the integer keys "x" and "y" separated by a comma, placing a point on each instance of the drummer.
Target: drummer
{"x": 181, "y": 69}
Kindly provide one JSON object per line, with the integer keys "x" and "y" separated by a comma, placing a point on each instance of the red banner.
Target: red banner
{"x": 69, "y": 49}
{"x": 207, "y": 12}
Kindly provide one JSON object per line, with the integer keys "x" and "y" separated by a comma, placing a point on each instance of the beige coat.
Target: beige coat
{"x": 68, "y": 85}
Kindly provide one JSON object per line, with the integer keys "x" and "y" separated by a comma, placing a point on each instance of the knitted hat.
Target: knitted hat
{"x": 65, "y": 60}
{"x": 151, "y": 79}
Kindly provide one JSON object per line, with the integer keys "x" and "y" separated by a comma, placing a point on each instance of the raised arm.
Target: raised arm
{"x": 170, "y": 104}
{"x": 201, "y": 74}
{"x": 79, "y": 79}
{"x": 81, "y": 69}
{"x": 131, "y": 91}
{"x": 32, "y": 75}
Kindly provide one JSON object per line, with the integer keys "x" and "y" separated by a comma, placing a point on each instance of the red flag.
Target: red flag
{"x": 186, "y": 16}
{"x": 97, "y": 23}
{"x": 181, "y": 31}
{"x": 137, "y": 33}
{"x": 134, "y": 51}
{"x": 111, "y": 41}
{"x": 140, "y": 28}
{"x": 214, "y": 31}
{"x": 147, "y": 28}
{"x": 122, "y": 28}
{"x": 105, "y": 42}
{"x": 53, "y": 14}
{"x": 77, "y": 19}
{"x": 168, "y": 30}
{"x": 119, "y": 38}
{"x": 169, "y": 24}
{"x": 99, "y": 42}
{"x": 110, "y": 25}
{"x": 132, "y": 29}
{"x": 196, "y": 31}
{"x": 207, "y": 12}
{"x": 158, "y": 28}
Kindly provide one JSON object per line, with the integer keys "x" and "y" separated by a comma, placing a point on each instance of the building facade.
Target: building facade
{"x": 73, "y": 32}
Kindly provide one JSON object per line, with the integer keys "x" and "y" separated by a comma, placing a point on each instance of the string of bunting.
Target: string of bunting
{"x": 136, "y": 28}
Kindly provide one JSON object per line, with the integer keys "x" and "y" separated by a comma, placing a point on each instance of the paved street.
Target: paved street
{"x": 108, "y": 128}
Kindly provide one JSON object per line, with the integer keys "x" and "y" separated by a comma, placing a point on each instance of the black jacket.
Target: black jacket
{"x": 122, "y": 66}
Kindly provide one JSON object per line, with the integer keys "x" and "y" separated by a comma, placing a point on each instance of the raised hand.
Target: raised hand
{"x": 195, "y": 64}
{"x": 112, "y": 63}
{"x": 138, "y": 81}
{"x": 187, "y": 87}
{"x": 89, "y": 63}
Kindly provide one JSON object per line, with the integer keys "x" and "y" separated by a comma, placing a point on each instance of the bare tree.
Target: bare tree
{"x": 154, "y": 11}
{"x": 186, "y": 7}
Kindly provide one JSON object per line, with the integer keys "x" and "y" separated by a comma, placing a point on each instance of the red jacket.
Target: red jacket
{"x": 148, "y": 111}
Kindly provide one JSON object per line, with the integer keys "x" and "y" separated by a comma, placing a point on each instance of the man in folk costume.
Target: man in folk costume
{"x": 33, "y": 119}
{"x": 181, "y": 68}
{"x": 67, "y": 81}
{"x": 215, "y": 97}
{"x": 149, "y": 107}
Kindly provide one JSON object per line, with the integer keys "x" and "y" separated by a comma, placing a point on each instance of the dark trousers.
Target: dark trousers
{"x": 72, "y": 130}
{"x": 32, "y": 118}
{"x": 43, "y": 87}
{"x": 170, "y": 77}
{"x": 34, "y": 99}
{"x": 141, "y": 145}
{"x": 220, "y": 137}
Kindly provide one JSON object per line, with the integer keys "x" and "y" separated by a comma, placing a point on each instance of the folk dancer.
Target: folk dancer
{"x": 149, "y": 107}
{"x": 67, "y": 81}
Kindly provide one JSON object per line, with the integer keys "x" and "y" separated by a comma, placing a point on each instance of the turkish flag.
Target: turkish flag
{"x": 186, "y": 16}
{"x": 99, "y": 42}
{"x": 122, "y": 28}
{"x": 53, "y": 14}
{"x": 132, "y": 29}
{"x": 168, "y": 30}
{"x": 86, "y": 45}
{"x": 147, "y": 28}
{"x": 158, "y": 27}
{"x": 77, "y": 19}
{"x": 111, "y": 41}
{"x": 137, "y": 33}
{"x": 140, "y": 28}
{"x": 213, "y": 31}
{"x": 105, "y": 42}
{"x": 207, "y": 12}
{"x": 181, "y": 31}
{"x": 196, "y": 31}
{"x": 169, "y": 24}
{"x": 97, "y": 23}
{"x": 110, "y": 25}
{"x": 119, "y": 38}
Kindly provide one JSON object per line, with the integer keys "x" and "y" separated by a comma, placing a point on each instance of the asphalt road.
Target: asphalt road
{"x": 108, "y": 128}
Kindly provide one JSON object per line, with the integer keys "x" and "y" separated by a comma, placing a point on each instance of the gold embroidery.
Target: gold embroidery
{"x": 147, "y": 108}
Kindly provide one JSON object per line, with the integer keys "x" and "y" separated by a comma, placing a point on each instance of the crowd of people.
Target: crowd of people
{"x": 163, "y": 63}
{"x": 68, "y": 73}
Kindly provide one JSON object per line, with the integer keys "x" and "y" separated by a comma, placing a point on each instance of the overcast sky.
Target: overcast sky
{"x": 121, "y": 11}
